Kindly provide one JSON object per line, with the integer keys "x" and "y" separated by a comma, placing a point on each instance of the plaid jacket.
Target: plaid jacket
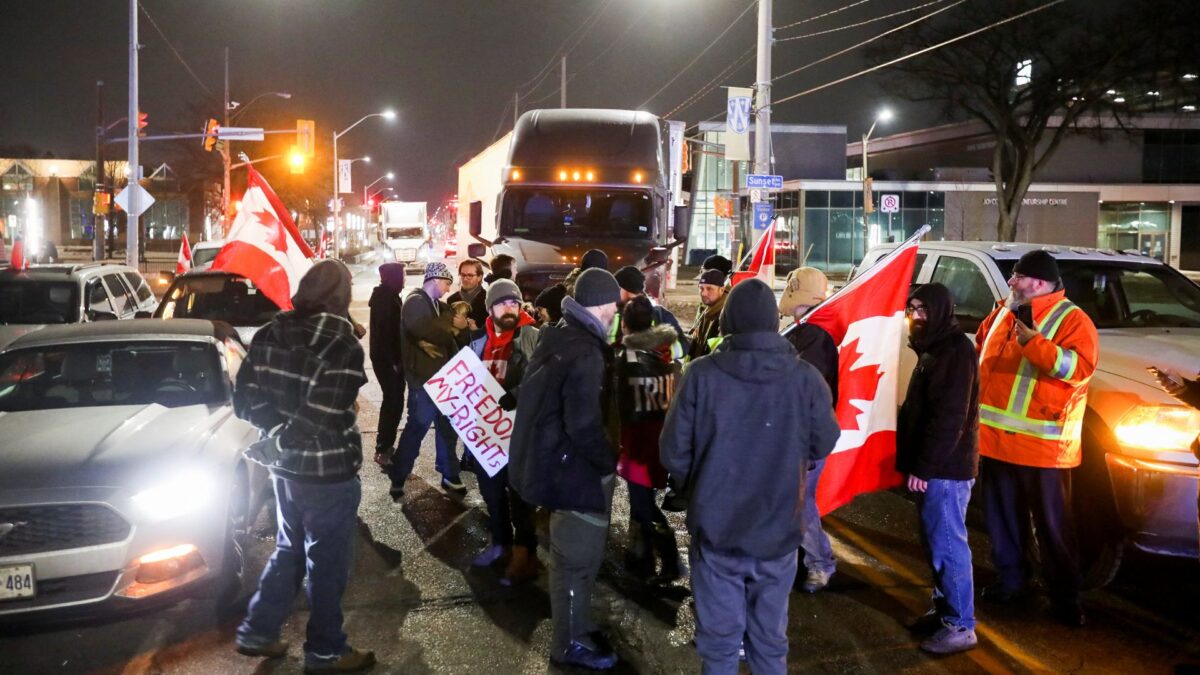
{"x": 304, "y": 373}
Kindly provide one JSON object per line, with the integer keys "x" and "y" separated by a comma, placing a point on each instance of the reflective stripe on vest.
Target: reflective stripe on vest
{"x": 1015, "y": 418}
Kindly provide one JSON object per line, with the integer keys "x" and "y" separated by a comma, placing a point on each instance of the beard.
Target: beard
{"x": 917, "y": 329}
{"x": 507, "y": 321}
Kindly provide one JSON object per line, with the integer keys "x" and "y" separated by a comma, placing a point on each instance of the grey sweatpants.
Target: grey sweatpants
{"x": 577, "y": 541}
{"x": 738, "y": 596}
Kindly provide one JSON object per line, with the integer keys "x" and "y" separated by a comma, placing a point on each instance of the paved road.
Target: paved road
{"x": 416, "y": 601}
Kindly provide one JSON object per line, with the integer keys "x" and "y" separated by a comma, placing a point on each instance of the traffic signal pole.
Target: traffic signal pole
{"x": 99, "y": 224}
{"x": 225, "y": 155}
{"x": 762, "y": 116}
{"x": 132, "y": 226}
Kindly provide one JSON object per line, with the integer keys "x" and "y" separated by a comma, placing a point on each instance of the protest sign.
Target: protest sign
{"x": 466, "y": 393}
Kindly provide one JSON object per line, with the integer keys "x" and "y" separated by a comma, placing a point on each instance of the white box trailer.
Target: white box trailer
{"x": 480, "y": 181}
{"x": 405, "y": 228}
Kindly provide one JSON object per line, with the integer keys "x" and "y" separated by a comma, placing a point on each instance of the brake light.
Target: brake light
{"x": 638, "y": 177}
{"x": 516, "y": 174}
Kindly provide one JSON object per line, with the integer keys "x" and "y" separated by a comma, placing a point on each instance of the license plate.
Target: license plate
{"x": 17, "y": 581}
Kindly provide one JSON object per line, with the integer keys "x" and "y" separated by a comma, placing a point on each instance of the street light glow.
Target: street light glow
{"x": 388, "y": 114}
{"x": 390, "y": 175}
{"x": 367, "y": 159}
{"x": 885, "y": 115}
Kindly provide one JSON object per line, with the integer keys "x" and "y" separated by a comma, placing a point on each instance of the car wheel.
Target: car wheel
{"x": 232, "y": 581}
{"x": 1098, "y": 526}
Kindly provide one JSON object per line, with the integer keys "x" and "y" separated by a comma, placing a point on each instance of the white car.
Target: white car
{"x": 204, "y": 253}
{"x": 1137, "y": 482}
{"x": 122, "y": 479}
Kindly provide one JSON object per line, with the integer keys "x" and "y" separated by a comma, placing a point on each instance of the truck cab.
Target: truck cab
{"x": 1137, "y": 482}
{"x": 579, "y": 179}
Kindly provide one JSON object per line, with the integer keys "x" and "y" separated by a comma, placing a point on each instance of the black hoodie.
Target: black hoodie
{"x": 937, "y": 433}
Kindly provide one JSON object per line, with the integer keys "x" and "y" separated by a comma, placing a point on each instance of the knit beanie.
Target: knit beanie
{"x": 500, "y": 290}
{"x": 324, "y": 288}
{"x": 596, "y": 287}
{"x": 1038, "y": 264}
{"x": 631, "y": 279}
{"x": 437, "y": 270}
{"x": 718, "y": 262}
{"x": 594, "y": 258}
{"x": 750, "y": 308}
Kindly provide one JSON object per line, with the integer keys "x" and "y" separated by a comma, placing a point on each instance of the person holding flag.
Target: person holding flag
{"x": 183, "y": 264}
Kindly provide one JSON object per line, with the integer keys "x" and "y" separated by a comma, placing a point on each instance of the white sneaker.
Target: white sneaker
{"x": 950, "y": 640}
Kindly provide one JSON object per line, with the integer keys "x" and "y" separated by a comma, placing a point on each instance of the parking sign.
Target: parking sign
{"x": 889, "y": 203}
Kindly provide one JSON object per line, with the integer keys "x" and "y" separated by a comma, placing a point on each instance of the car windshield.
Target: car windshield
{"x": 405, "y": 233}
{"x": 24, "y": 300}
{"x": 171, "y": 374}
{"x": 578, "y": 212}
{"x": 204, "y": 256}
{"x": 217, "y": 297}
{"x": 1128, "y": 295}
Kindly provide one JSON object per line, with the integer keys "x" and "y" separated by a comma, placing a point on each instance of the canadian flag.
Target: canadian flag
{"x": 18, "y": 261}
{"x": 866, "y": 320}
{"x": 264, "y": 244}
{"x": 184, "y": 264}
{"x": 323, "y": 245}
{"x": 762, "y": 261}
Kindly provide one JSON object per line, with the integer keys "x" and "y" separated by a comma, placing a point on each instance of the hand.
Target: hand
{"x": 472, "y": 325}
{"x": 1169, "y": 381}
{"x": 916, "y": 484}
{"x": 508, "y": 402}
{"x": 460, "y": 322}
{"x": 1024, "y": 333}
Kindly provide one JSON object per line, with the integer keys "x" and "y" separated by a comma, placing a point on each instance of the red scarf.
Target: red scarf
{"x": 498, "y": 348}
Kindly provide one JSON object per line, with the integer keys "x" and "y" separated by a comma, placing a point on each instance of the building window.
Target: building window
{"x": 1171, "y": 156}
{"x": 17, "y": 178}
{"x": 1137, "y": 226}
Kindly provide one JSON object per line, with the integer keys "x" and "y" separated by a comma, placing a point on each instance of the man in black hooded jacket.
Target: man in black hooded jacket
{"x": 937, "y": 448}
{"x": 754, "y": 416}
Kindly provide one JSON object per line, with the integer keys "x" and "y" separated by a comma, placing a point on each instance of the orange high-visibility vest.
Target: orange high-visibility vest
{"x": 1032, "y": 398}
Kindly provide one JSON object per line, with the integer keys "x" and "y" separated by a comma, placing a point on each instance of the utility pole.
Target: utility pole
{"x": 516, "y": 107}
{"x": 132, "y": 225}
{"x": 337, "y": 196}
{"x": 99, "y": 226}
{"x": 762, "y": 116}
{"x": 562, "y": 98}
{"x": 225, "y": 154}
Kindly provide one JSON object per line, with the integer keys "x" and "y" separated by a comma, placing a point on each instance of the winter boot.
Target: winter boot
{"x": 522, "y": 566}
{"x": 668, "y": 551}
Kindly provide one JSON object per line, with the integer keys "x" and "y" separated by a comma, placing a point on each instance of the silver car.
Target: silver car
{"x": 121, "y": 470}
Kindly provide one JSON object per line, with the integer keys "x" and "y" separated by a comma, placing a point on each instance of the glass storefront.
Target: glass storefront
{"x": 713, "y": 176}
{"x": 1137, "y": 226}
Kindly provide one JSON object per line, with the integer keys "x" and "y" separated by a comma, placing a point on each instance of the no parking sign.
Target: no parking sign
{"x": 889, "y": 203}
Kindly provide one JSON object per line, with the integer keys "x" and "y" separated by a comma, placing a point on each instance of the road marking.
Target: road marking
{"x": 985, "y": 660}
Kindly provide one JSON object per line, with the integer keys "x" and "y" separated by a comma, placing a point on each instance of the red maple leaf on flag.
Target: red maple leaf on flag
{"x": 854, "y": 384}
{"x": 276, "y": 237}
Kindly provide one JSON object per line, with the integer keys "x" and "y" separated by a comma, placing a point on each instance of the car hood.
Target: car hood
{"x": 1127, "y": 352}
{"x": 101, "y": 446}
{"x": 10, "y": 332}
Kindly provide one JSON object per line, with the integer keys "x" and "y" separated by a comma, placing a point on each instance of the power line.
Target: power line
{"x": 714, "y": 82}
{"x": 867, "y": 41}
{"x": 500, "y": 125}
{"x": 919, "y": 52}
{"x": 563, "y": 50}
{"x": 752, "y": 5}
{"x": 175, "y": 51}
{"x": 860, "y": 23}
{"x": 822, "y": 16}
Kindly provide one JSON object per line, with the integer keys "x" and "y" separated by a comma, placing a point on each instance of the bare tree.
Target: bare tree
{"x": 1034, "y": 81}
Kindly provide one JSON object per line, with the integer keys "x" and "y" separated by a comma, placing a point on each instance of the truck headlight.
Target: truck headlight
{"x": 179, "y": 495}
{"x": 1159, "y": 427}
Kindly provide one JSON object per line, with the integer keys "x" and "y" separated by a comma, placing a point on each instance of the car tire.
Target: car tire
{"x": 231, "y": 590}
{"x": 1098, "y": 526}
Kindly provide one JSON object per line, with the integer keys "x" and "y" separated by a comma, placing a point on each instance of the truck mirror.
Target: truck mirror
{"x": 682, "y": 222}
{"x": 476, "y": 251}
{"x": 476, "y": 225}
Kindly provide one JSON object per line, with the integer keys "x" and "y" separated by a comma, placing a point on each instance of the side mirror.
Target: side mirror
{"x": 682, "y": 222}
{"x": 100, "y": 315}
{"x": 476, "y": 222}
{"x": 476, "y": 251}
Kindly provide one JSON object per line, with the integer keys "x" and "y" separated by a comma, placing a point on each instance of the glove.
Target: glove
{"x": 508, "y": 402}
{"x": 265, "y": 452}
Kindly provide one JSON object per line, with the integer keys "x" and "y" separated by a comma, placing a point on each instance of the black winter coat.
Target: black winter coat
{"x": 937, "y": 431}
{"x": 385, "y": 346}
{"x": 560, "y": 447}
{"x": 744, "y": 425}
{"x": 420, "y": 321}
{"x": 816, "y": 347}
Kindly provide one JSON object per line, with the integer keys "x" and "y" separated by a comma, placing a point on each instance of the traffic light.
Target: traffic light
{"x": 100, "y": 203}
{"x": 868, "y": 203}
{"x": 296, "y": 160}
{"x": 306, "y": 137}
{"x": 142, "y": 122}
{"x": 211, "y": 127}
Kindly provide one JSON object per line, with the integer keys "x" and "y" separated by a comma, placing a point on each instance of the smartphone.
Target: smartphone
{"x": 1025, "y": 315}
{"x": 1168, "y": 376}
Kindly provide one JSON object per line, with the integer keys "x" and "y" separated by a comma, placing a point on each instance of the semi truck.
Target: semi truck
{"x": 573, "y": 180}
{"x": 405, "y": 231}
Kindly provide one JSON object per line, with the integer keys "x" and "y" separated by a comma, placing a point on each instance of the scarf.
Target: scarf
{"x": 499, "y": 345}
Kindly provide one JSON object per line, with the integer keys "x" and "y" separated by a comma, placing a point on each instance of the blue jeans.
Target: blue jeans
{"x": 738, "y": 596}
{"x": 944, "y": 530}
{"x": 423, "y": 412}
{"x": 316, "y": 535}
{"x": 818, "y": 552}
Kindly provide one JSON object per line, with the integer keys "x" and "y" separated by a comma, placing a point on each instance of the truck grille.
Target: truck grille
{"x": 58, "y": 527}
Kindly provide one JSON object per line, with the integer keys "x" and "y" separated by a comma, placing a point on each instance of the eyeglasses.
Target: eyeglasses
{"x": 464, "y": 274}
{"x": 913, "y": 309}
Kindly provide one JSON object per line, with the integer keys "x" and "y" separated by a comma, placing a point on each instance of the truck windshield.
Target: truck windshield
{"x": 1128, "y": 295}
{"x": 590, "y": 212}
{"x": 405, "y": 233}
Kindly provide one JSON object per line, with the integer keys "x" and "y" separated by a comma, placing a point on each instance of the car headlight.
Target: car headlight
{"x": 179, "y": 495}
{"x": 1159, "y": 427}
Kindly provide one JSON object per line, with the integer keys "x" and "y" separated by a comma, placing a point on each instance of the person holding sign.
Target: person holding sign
{"x": 505, "y": 350}
{"x": 562, "y": 457}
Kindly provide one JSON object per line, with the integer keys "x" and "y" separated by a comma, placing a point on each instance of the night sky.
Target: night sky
{"x": 448, "y": 67}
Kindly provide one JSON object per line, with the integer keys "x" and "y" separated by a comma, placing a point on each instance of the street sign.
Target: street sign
{"x": 762, "y": 215}
{"x": 889, "y": 203}
{"x": 144, "y": 199}
{"x": 756, "y": 195}
{"x": 240, "y": 133}
{"x": 759, "y": 180}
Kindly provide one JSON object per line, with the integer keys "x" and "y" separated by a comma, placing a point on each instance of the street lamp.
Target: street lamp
{"x": 389, "y": 176}
{"x": 387, "y": 115}
{"x": 230, "y": 106}
{"x": 885, "y": 116}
